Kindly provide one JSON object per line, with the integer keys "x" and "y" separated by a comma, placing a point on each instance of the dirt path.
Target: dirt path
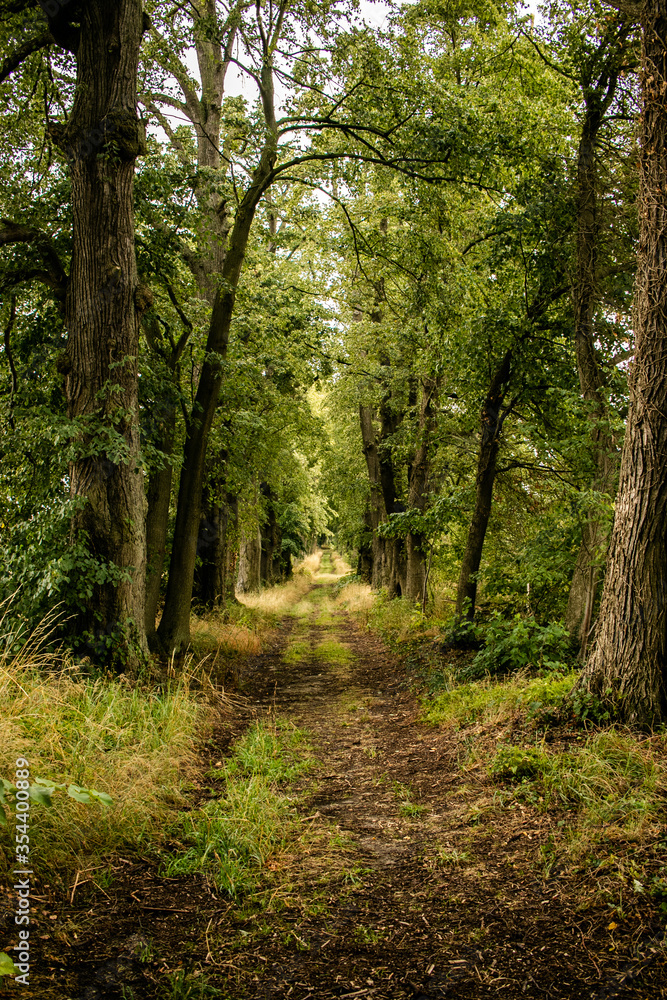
{"x": 436, "y": 901}
{"x": 407, "y": 883}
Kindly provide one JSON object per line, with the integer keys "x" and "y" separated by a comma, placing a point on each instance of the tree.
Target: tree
{"x": 102, "y": 302}
{"x": 628, "y": 665}
{"x": 596, "y": 51}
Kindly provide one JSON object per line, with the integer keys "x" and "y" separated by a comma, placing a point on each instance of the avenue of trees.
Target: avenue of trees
{"x": 270, "y": 275}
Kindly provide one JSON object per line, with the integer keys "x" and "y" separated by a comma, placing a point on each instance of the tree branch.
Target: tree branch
{"x": 16, "y": 58}
{"x": 55, "y": 275}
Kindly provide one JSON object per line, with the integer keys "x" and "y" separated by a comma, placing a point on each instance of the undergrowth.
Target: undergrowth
{"x": 133, "y": 742}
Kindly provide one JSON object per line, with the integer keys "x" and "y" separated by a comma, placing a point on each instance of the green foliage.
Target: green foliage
{"x": 7, "y": 967}
{"x": 41, "y": 792}
{"x": 611, "y": 778}
{"x": 520, "y": 644}
{"x": 463, "y": 704}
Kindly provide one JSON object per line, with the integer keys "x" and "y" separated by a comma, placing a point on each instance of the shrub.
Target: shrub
{"x": 519, "y": 644}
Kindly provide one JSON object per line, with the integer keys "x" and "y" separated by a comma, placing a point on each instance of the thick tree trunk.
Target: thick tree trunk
{"x": 387, "y": 566}
{"x": 491, "y": 426}
{"x": 217, "y": 549}
{"x": 628, "y": 665}
{"x": 365, "y": 556}
{"x": 588, "y": 567}
{"x": 250, "y": 561}
{"x": 103, "y": 309}
{"x": 394, "y": 563}
{"x": 271, "y": 569}
{"x": 376, "y": 510}
{"x": 415, "y": 578}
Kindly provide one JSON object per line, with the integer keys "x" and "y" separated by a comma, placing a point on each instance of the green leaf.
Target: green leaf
{"x": 102, "y": 797}
{"x": 41, "y": 794}
{"x": 47, "y": 783}
{"x": 79, "y": 794}
{"x": 7, "y": 967}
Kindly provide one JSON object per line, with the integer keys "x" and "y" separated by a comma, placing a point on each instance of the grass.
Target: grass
{"x": 297, "y": 650}
{"x": 332, "y": 651}
{"x": 232, "y": 838}
{"x": 615, "y": 779}
{"x": 496, "y": 701}
{"x": 134, "y": 743}
{"x": 406, "y": 806}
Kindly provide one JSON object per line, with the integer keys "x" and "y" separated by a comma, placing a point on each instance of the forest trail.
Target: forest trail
{"x": 404, "y": 880}
{"x": 430, "y": 904}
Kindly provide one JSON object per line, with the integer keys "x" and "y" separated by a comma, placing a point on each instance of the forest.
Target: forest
{"x": 333, "y": 498}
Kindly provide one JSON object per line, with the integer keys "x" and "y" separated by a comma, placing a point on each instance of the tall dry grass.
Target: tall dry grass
{"x": 136, "y": 744}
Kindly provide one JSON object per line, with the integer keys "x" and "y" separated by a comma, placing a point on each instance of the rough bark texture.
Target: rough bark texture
{"x": 415, "y": 577}
{"x": 250, "y": 561}
{"x": 598, "y": 95}
{"x": 272, "y": 564}
{"x": 382, "y": 554}
{"x": 493, "y": 417}
{"x": 217, "y": 548}
{"x": 103, "y": 307}
{"x": 629, "y": 659}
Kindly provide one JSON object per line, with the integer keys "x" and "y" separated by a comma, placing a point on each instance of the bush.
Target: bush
{"x": 519, "y": 644}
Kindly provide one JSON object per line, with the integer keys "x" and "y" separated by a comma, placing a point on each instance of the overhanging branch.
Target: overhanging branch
{"x": 13, "y": 61}
{"x": 53, "y": 273}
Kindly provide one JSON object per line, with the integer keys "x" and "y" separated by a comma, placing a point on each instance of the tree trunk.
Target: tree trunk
{"x": 628, "y": 665}
{"x": 394, "y": 564}
{"x": 271, "y": 570}
{"x": 587, "y": 570}
{"x": 365, "y": 557}
{"x": 174, "y": 629}
{"x": 103, "y": 309}
{"x": 415, "y": 543}
{"x": 493, "y": 418}
{"x": 250, "y": 561}
{"x": 157, "y": 521}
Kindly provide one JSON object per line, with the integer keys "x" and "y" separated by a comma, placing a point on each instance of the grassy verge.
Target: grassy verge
{"x": 134, "y": 743}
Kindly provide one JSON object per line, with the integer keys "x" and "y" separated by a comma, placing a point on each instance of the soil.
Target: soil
{"x": 425, "y": 891}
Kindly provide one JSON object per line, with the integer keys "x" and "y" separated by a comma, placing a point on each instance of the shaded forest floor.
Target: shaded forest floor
{"x": 404, "y": 879}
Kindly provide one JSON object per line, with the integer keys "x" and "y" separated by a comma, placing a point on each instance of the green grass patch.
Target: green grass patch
{"x": 232, "y": 838}
{"x": 484, "y": 700}
{"x": 331, "y": 651}
{"x": 297, "y": 650}
{"x": 614, "y": 777}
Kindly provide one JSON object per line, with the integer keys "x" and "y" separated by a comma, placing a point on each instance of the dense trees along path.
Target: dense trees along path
{"x": 404, "y": 883}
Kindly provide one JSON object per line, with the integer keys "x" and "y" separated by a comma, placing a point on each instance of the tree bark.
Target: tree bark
{"x": 271, "y": 568}
{"x": 377, "y": 512}
{"x": 628, "y": 665}
{"x": 103, "y": 307}
{"x": 588, "y": 567}
{"x": 250, "y": 561}
{"x": 157, "y": 520}
{"x": 418, "y": 495}
{"x": 174, "y": 629}
{"x": 493, "y": 417}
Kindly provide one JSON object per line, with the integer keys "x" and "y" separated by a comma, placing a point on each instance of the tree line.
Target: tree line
{"x": 270, "y": 273}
